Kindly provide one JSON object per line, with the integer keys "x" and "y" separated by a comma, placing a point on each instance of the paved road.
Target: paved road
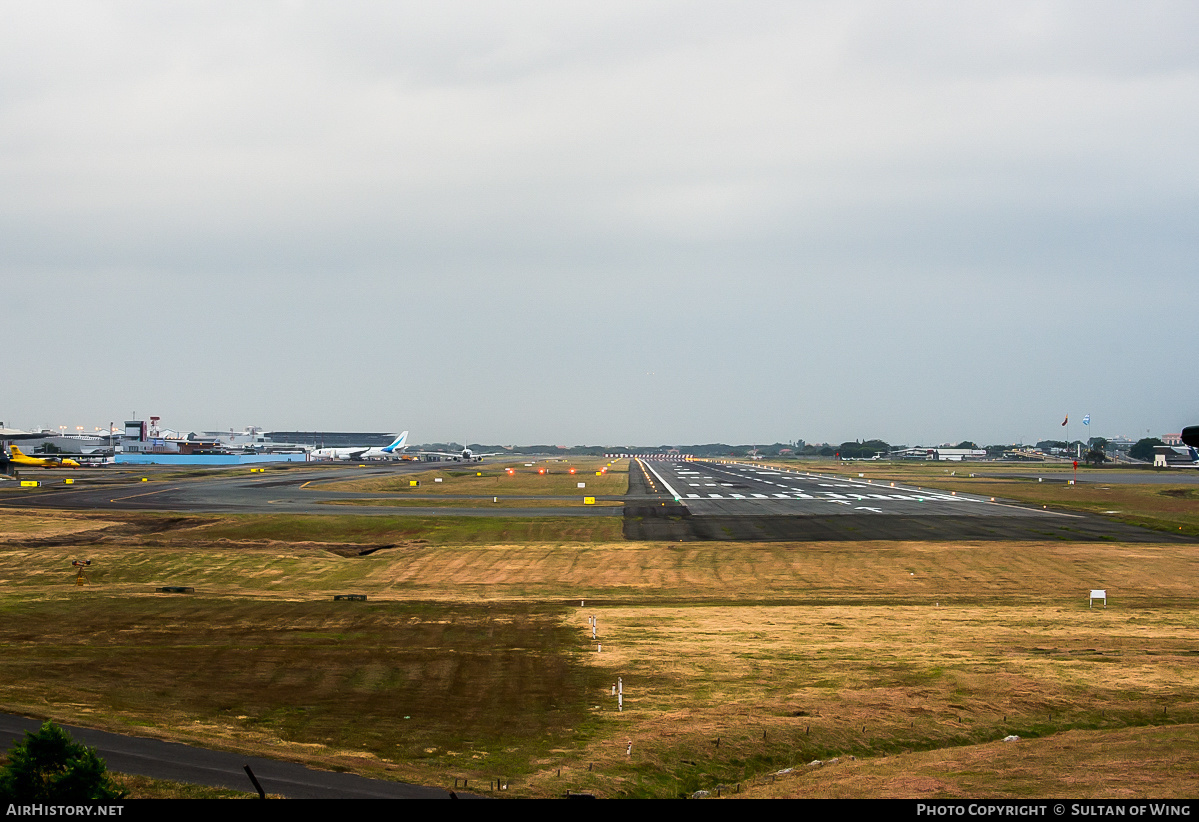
{"x": 221, "y": 769}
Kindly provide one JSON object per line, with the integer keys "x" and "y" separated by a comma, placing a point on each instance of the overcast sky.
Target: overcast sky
{"x": 642, "y": 222}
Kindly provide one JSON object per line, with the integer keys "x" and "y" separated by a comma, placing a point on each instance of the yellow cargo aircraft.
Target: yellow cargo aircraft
{"x": 37, "y": 462}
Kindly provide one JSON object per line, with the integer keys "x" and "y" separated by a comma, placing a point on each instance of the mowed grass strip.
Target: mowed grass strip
{"x": 17, "y": 524}
{"x": 621, "y": 572}
{"x": 438, "y": 530}
{"x": 198, "y": 530}
{"x": 465, "y": 479}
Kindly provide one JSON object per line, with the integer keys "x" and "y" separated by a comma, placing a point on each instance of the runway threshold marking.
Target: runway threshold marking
{"x": 665, "y": 484}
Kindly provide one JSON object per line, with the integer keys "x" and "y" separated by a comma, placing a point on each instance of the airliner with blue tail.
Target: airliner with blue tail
{"x": 395, "y": 451}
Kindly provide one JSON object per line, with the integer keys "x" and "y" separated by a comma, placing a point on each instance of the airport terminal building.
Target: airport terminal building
{"x": 331, "y": 439}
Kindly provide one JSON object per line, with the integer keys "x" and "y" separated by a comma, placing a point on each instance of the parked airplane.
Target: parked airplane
{"x": 366, "y": 452}
{"x": 19, "y": 458}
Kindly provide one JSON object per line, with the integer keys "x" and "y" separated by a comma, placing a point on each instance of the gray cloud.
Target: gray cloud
{"x": 603, "y": 222}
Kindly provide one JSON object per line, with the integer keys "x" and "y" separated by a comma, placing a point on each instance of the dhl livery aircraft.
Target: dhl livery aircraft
{"x": 37, "y": 462}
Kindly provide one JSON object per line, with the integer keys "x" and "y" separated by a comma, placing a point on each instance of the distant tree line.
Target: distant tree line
{"x": 1093, "y": 450}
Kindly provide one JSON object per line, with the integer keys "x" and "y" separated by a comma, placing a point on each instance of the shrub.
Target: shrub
{"x": 47, "y": 765}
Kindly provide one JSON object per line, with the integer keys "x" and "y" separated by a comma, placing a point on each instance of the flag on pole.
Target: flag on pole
{"x": 1086, "y": 420}
{"x": 1066, "y": 420}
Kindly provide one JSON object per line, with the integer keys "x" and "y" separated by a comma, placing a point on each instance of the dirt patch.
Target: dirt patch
{"x": 343, "y": 550}
{"x": 1180, "y": 493}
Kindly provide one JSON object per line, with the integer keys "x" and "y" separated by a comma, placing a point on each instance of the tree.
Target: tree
{"x": 1096, "y": 456}
{"x": 47, "y": 765}
{"x": 1143, "y": 450}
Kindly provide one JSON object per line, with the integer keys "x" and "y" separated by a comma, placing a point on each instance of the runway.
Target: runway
{"x": 666, "y": 500}
{"x": 718, "y": 489}
{"x": 717, "y": 500}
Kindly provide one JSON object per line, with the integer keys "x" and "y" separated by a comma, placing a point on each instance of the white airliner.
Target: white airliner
{"x": 387, "y": 452}
{"x": 465, "y": 455}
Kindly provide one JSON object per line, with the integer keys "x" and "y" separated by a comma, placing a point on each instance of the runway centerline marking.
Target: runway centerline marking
{"x": 146, "y": 494}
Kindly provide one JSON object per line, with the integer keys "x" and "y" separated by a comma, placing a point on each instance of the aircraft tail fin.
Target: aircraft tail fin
{"x": 15, "y": 451}
{"x": 399, "y": 442}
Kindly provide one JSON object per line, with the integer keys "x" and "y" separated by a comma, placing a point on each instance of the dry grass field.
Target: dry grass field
{"x": 1127, "y": 763}
{"x": 472, "y": 656}
{"x": 43, "y": 526}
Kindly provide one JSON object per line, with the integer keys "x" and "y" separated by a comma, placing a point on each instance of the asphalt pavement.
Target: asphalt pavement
{"x": 711, "y": 500}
